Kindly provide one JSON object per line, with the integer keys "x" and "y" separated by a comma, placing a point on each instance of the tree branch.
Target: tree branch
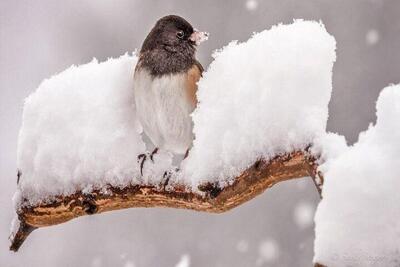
{"x": 215, "y": 199}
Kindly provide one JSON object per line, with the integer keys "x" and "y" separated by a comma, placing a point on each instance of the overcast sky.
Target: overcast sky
{"x": 41, "y": 38}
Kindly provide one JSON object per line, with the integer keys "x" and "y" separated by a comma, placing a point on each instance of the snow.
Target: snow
{"x": 303, "y": 214}
{"x": 372, "y": 37}
{"x": 357, "y": 221}
{"x": 129, "y": 264}
{"x": 15, "y": 224}
{"x": 97, "y": 262}
{"x": 199, "y": 37}
{"x": 251, "y": 5}
{"x": 79, "y": 130}
{"x": 184, "y": 261}
{"x": 242, "y": 246}
{"x": 261, "y": 98}
{"x": 268, "y": 252}
{"x": 327, "y": 148}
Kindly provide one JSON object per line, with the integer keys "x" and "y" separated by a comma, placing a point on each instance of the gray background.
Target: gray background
{"x": 40, "y": 38}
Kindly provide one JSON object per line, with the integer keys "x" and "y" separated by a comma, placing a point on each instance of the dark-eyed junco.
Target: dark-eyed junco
{"x": 165, "y": 84}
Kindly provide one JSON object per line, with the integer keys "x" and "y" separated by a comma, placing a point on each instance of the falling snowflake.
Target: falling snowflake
{"x": 97, "y": 262}
{"x": 251, "y": 5}
{"x": 372, "y": 37}
{"x": 268, "y": 251}
{"x": 184, "y": 261}
{"x": 303, "y": 214}
{"x": 129, "y": 264}
{"x": 242, "y": 246}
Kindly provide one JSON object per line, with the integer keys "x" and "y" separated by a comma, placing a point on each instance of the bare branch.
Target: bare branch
{"x": 249, "y": 184}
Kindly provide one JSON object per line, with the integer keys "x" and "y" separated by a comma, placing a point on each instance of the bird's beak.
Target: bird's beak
{"x": 198, "y": 37}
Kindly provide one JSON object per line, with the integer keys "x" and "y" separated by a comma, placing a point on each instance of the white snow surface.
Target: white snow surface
{"x": 79, "y": 131}
{"x": 357, "y": 221}
{"x": 261, "y": 98}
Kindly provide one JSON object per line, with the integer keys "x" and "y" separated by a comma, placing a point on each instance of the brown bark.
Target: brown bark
{"x": 249, "y": 184}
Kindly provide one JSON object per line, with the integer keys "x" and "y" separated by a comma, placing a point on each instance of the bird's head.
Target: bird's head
{"x": 174, "y": 34}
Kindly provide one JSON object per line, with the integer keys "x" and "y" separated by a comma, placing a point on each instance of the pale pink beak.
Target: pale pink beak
{"x": 198, "y": 37}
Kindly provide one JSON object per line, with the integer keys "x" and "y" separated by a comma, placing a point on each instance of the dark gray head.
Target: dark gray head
{"x": 170, "y": 32}
{"x": 170, "y": 46}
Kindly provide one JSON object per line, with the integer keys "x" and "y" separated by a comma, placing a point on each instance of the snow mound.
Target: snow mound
{"x": 357, "y": 221}
{"x": 261, "y": 98}
{"x": 79, "y": 131}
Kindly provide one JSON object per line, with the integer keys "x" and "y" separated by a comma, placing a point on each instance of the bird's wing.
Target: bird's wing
{"x": 193, "y": 76}
{"x": 198, "y": 64}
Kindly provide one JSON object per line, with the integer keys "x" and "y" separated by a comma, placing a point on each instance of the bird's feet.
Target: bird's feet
{"x": 152, "y": 153}
{"x": 143, "y": 157}
{"x": 19, "y": 174}
{"x": 187, "y": 153}
{"x": 166, "y": 177}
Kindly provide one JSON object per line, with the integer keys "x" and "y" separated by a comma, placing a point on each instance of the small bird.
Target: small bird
{"x": 165, "y": 84}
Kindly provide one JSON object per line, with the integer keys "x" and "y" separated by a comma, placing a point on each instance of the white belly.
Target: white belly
{"x": 164, "y": 109}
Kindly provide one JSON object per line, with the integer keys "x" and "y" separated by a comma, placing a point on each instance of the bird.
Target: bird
{"x": 165, "y": 85}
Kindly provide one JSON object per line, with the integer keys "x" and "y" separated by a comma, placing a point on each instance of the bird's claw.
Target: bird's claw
{"x": 152, "y": 154}
{"x": 19, "y": 174}
{"x": 141, "y": 158}
{"x": 167, "y": 177}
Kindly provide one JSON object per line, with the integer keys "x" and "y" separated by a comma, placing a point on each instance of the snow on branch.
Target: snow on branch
{"x": 358, "y": 219}
{"x": 261, "y": 119}
{"x": 248, "y": 185}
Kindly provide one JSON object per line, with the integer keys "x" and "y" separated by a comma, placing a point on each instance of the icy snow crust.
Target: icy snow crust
{"x": 260, "y": 98}
{"x": 357, "y": 221}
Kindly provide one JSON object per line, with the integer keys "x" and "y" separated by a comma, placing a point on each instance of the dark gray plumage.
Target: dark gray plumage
{"x": 168, "y": 47}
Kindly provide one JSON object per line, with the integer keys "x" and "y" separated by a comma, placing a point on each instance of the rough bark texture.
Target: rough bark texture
{"x": 249, "y": 184}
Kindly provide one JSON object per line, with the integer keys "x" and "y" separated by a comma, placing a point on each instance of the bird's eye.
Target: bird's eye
{"x": 180, "y": 34}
